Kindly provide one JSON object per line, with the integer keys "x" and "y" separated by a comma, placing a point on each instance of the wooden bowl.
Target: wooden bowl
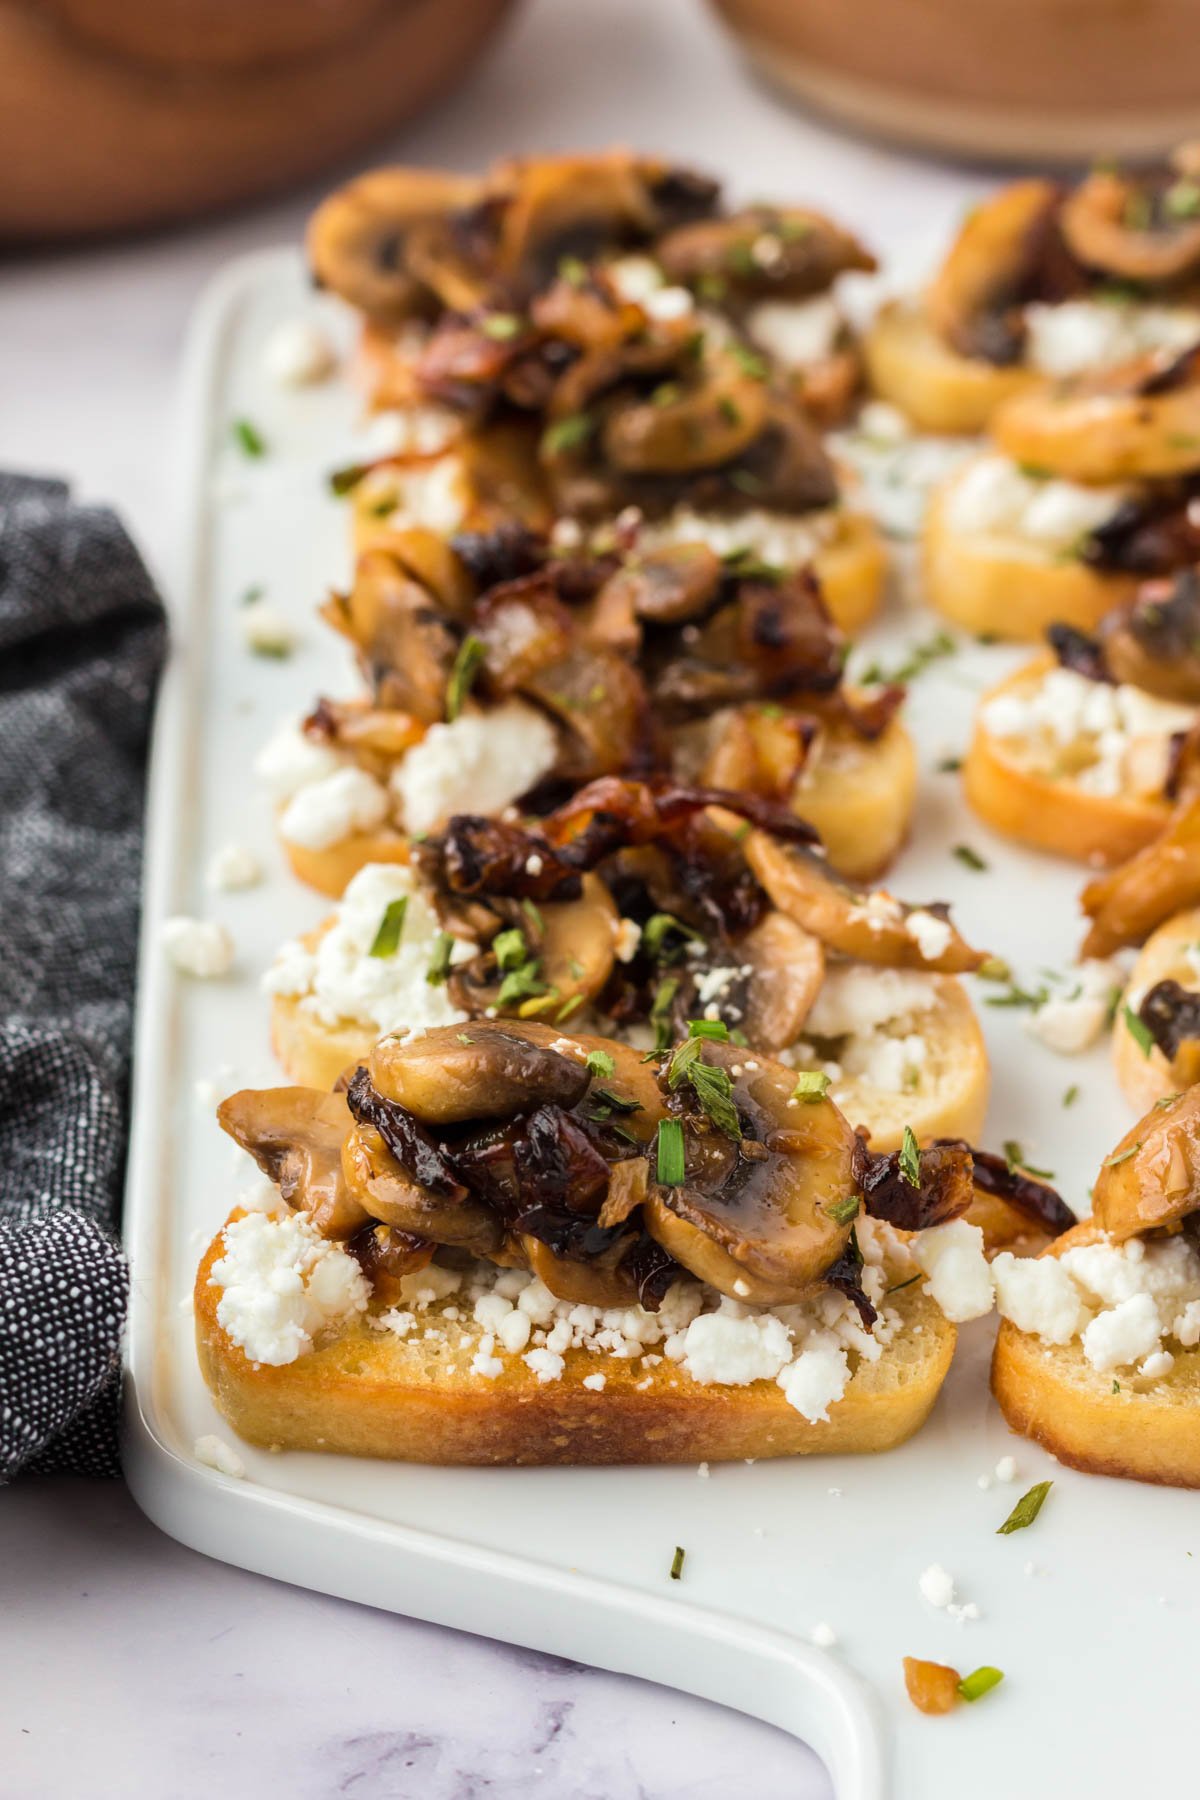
{"x": 121, "y": 116}
{"x": 1016, "y": 80}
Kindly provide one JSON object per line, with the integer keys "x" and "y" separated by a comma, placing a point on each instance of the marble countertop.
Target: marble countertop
{"x": 180, "y": 1677}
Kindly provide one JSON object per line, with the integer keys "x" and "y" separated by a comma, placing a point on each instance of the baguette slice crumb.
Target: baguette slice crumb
{"x": 370, "y": 1393}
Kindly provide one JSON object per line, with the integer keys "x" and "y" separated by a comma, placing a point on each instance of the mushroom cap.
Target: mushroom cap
{"x": 1151, "y": 1181}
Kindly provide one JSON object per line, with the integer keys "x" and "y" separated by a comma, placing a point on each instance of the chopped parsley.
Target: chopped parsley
{"x": 677, "y": 1562}
{"x": 249, "y": 439}
{"x": 1138, "y": 1030}
{"x": 467, "y": 664}
{"x": 566, "y": 434}
{"x": 1071, "y": 1095}
{"x": 709, "y": 1028}
{"x": 711, "y": 1086}
{"x": 439, "y": 963}
{"x": 811, "y": 1085}
{"x": 599, "y": 1062}
{"x": 660, "y": 1012}
{"x": 919, "y": 657}
{"x": 342, "y": 481}
{"x": 386, "y": 941}
{"x": 1017, "y": 1164}
{"x": 1026, "y": 1510}
{"x": 658, "y": 930}
{"x": 501, "y": 326}
{"x": 671, "y": 1168}
{"x": 843, "y": 1211}
{"x": 979, "y": 1682}
{"x": 969, "y": 858}
{"x": 910, "y": 1158}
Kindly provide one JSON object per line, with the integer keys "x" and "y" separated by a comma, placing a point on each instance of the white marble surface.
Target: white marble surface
{"x": 133, "y": 1666}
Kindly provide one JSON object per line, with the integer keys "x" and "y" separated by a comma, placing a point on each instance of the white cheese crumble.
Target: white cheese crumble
{"x": 282, "y": 1286}
{"x": 628, "y": 937}
{"x": 857, "y": 997}
{"x": 960, "y": 1277}
{"x": 479, "y": 763}
{"x": 867, "y": 1023}
{"x": 298, "y": 352}
{"x": 1121, "y": 1300}
{"x": 215, "y": 1453}
{"x": 340, "y": 980}
{"x": 1072, "y": 1021}
{"x": 291, "y": 760}
{"x": 1107, "y": 740}
{"x": 936, "y": 1585}
{"x": 823, "y": 1635}
{"x": 1006, "y": 1469}
{"x": 328, "y": 811}
{"x": 796, "y": 332}
{"x": 993, "y": 495}
{"x": 777, "y": 538}
{"x": 265, "y": 630}
{"x": 233, "y": 866}
{"x": 198, "y": 947}
{"x": 434, "y": 493}
{"x": 932, "y": 935}
{"x": 1079, "y": 337}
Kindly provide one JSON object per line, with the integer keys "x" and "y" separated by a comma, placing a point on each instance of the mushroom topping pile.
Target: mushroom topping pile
{"x": 1151, "y": 1182}
{"x": 608, "y": 1173}
{"x": 1153, "y": 643}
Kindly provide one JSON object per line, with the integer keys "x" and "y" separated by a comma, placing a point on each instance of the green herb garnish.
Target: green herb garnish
{"x": 811, "y": 1085}
{"x": 1114, "y": 1162}
{"x": 677, "y": 1562}
{"x": 1017, "y": 1164}
{"x": 980, "y": 1682}
{"x": 467, "y": 663}
{"x": 749, "y": 361}
{"x": 1026, "y": 1510}
{"x": 910, "y": 1158}
{"x": 566, "y": 434}
{"x": 249, "y": 439}
{"x": 599, "y": 1062}
{"x": 1071, "y": 1095}
{"x": 387, "y": 939}
{"x": 842, "y": 1211}
{"x": 510, "y": 949}
{"x": 709, "y": 1028}
{"x": 660, "y": 1012}
{"x": 671, "y": 1168}
{"x": 439, "y": 964}
{"x": 1138, "y": 1030}
{"x": 501, "y": 326}
{"x": 969, "y": 858}
{"x": 342, "y": 481}
{"x": 656, "y": 930}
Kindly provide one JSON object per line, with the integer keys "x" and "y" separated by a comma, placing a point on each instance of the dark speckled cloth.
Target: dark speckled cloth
{"x": 82, "y": 636}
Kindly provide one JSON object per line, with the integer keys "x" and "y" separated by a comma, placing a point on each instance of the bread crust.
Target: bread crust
{"x": 1058, "y": 816}
{"x": 1002, "y": 587}
{"x": 332, "y": 870}
{"x": 1143, "y": 1078}
{"x": 909, "y": 365}
{"x": 859, "y": 793}
{"x": 370, "y": 1393}
{"x": 852, "y": 570}
{"x": 1050, "y": 1393}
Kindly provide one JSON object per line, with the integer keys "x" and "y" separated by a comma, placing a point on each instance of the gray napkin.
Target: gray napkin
{"x": 82, "y": 637}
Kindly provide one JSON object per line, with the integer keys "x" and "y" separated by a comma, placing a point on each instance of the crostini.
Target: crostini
{"x": 510, "y": 1242}
{"x": 1096, "y": 1357}
{"x": 1156, "y": 1032}
{"x": 1042, "y": 284}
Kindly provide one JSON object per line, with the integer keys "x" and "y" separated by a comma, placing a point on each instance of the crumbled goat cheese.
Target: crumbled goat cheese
{"x": 1120, "y": 1300}
{"x": 776, "y": 537}
{"x": 1072, "y": 1021}
{"x": 233, "y": 866}
{"x": 433, "y": 494}
{"x": 936, "y": 1585}
{"x": 596, "y": 1383}
{"x": 479, "y": 763}
{"x": 994, "y": 495}
{"x": 298, "y": 352}
{"x": 547, "y": 1365}
{"x": 283, "y": 1285}
{"x": 199, "y": 947}
{"x": 628, "y": 937}
{"x": 1124, "y": 733}
{"x": 265, "y": 630}
{"x": 1006, "y": 1469}
{"x": 215, "y": 1453}
{"x": 412, "y": 431}
{"x": 823, "y": 1635}
{"x": 796, "y": 332}
{"x": 857, "y": 997}
{"x": 339, "y": 979}
{"x": 929, "y": 933}
{"x": 333, "y": 809}
{"x": 735, "y": 1350}
{"x": 635, "y": 278}
{"x": 291, "y": 760}
{"x": 1080, "y": 337}
{"x": 960, "y": 1278}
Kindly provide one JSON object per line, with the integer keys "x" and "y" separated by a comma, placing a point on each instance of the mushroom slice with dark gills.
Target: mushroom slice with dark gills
{"x": 762, "y": 253}
{"x": 1008, "y": 253}
{"x": 871, "y": 927}
{"x": 405, "y": 643}
{"x": 485, "y": 1070}
{"x": 360, "y": 239}
{"x": 404, "y": 1179}
{"x": 1140, "y": 227}
{"x": 1171, "y": 1014}
{"x": 765, "y": 1201}
{"x": 295, "y": 1135}
{"x": 1151, "y": 1181}
{"x": 1154, "y": 643}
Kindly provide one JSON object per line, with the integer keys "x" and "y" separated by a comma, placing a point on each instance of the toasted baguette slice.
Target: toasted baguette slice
{"x": 859, "y": 794}
{"x": 311, "y": 1052}
{"x": 939, "y": 390}
{"x": 370, "y": 1393}
{"x": 997, "y": 584}
{"x": 1006, "y": 785}
{"x": 332, "y": 870}
{"x": 1051, "y": 1393}
{"x": 950, "y": 1097}
{"x": 1144, "y": 1076}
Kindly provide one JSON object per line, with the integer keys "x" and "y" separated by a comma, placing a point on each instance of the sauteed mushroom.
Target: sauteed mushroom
{"x": 695, "y": 422}
{"x": 761, "y": 1219}
{"x": 1171, "y": 1014}
{"x": 1126, "y": 904}
{"x": 295, "y": 1135}
{"x": 1140, "y": 228}
{"x": 975, "y": 301}
{"x": 1154, "y": 644}
{"x": 406, "y": 647}
{"x": 443, "y": 1214}
{"x": 547, "y": 960}
{"x": 782, "y": 252}
{"x": 872, "y": 928}
{"x": 485, "y": 1070}
{"x": 1151, "y": 1181}
{"x": 358, "y": 239}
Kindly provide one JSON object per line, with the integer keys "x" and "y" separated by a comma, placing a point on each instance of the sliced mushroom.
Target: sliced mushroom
{"x": 943, "y": 1188}
{"x": 760, "y": 750}
{"x": 389, "y": 1193}
{"x": 1171, "y": 1014}
{"x": 295, "y": 1135}
{"x": 485, "y": 1070}
{"x": 704, "y": 418}
{"x": 872, "y": 928}
{"x": 764, "y": 1219}
{"x": 668, "y": 585}
{"x": 787, "y": 967}
{"x": 1126, "y": 904}
{"x": 1127, "y": 226}
{"x": 568, "y": 953}
{"x": 975, "y": 300}
{"x": 405, "y": 644}
{"x": 1154, "y": 644}
{"x": 1151, "y": 1181}
{"x": 787, "y": 252}
{"x": 386, "y": 1256}
{"x": 374, "y": 735}
{"x": 358, "y": 238}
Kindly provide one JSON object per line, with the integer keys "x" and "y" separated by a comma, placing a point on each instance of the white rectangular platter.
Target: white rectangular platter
{"x": 1093, "y": 1613}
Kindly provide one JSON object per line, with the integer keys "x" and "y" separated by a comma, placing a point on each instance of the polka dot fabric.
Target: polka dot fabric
{"x": 82, "y": 636}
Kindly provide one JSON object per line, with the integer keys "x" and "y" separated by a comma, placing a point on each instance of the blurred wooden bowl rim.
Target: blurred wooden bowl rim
{"x": 122, "y": 115}
{"x": 1019, "y": 80}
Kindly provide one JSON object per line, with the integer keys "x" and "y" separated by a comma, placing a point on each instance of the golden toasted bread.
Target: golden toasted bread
{"x": 1145, "y": 1075}
{"x": 368, "y": 1392}
{"x": 939, "y": 390}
